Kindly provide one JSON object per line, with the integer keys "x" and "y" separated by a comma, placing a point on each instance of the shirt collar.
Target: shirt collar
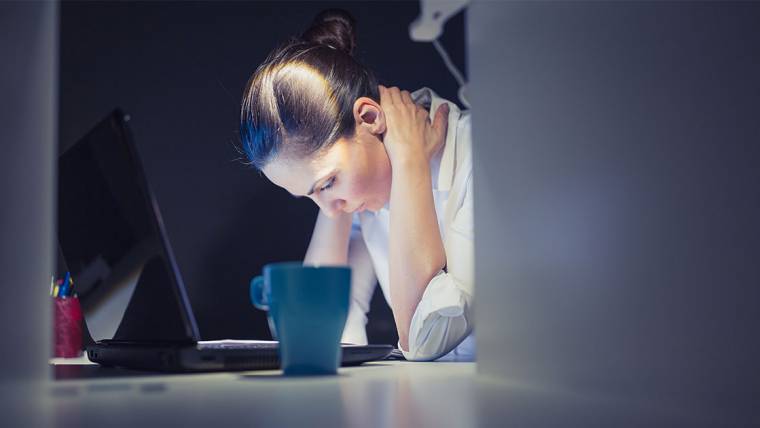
{"x": 428, "y": 98}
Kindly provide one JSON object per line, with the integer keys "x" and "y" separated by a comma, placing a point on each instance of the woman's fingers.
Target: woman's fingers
{"x": 441, "y": 122}
{"x": 406, "y": 97}
{"x": 421, "y": 113}
{"x": 383, "y": 94}
{"x": 391, "y": 96}
{"x": 435, "y": 130}
{"x": 395, "y": 95}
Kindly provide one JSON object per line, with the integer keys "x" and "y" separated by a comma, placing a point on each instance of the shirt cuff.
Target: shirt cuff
{"x": 439, "y": 323}
{"x": 355, "y": 330}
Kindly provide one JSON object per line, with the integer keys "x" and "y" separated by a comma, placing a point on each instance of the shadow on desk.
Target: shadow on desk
{"x": 94, "y": 371}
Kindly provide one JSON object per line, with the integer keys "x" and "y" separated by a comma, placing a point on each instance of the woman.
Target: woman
{"x": 394, "y": 187}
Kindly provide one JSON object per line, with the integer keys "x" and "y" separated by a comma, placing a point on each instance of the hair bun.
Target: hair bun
{"x": 334, "y": 28}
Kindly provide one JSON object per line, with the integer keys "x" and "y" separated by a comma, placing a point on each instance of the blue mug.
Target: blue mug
{"x": 308, "y": 307}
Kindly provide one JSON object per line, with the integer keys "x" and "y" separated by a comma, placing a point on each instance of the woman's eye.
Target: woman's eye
{"x": 327, "y": 185}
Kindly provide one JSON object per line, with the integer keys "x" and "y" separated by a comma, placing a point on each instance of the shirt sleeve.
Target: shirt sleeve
{"x": 363, "y": 283}
{"x": 444, "y": 316}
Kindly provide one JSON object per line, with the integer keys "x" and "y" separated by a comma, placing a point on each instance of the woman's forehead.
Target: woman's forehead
{"x": 297, "y": 175}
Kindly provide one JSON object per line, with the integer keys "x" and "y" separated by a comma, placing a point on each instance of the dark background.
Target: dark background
{"x": 179, "y": 69}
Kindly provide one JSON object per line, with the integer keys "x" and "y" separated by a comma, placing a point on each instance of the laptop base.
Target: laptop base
{"x": 193, "y": 357}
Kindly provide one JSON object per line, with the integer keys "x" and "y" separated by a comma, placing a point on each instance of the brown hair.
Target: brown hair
{"x": 300, "y": 99}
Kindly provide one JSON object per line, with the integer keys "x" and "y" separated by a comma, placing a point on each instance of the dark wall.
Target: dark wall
{"x": 179, "y": 70}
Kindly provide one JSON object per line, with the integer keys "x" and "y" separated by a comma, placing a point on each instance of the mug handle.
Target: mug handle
{"x": 257, "y": 293}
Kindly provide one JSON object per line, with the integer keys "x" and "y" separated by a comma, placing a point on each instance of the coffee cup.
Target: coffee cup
{"x": 307, "y": 310}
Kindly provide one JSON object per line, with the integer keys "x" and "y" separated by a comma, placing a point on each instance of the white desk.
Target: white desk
{"x": 381, "y": 394}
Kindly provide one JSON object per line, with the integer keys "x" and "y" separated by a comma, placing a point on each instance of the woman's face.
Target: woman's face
{"x": 354, "y": 174}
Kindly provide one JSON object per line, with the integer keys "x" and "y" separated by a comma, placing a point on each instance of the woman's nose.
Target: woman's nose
{"x": 332, "y": 207}
{"x": 339, "y": 204}
{"x": 335, "y": 207}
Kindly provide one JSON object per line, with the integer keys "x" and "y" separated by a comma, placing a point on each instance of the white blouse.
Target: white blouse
{"x": 442, "y": 325}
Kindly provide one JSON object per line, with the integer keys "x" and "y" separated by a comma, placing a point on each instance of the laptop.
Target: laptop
{"x": 112, "y": 240}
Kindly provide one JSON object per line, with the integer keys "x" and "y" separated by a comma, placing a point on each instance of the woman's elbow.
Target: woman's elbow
{"x": 439, "y": 338}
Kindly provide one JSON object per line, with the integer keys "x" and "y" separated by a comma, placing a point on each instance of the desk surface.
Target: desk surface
{"x": 380, "y": 394}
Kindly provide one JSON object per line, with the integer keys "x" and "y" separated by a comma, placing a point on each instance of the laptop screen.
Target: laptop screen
{"x": 113, "y": 242}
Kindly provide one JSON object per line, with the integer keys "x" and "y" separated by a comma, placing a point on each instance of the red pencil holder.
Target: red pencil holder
{"x": 67, "y": 327}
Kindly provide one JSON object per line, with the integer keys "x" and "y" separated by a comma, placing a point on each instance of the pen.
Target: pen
{"x": 64, "y": 291}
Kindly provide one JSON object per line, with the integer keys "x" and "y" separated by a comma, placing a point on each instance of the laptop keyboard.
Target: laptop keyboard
{"x": 237, "y": 344}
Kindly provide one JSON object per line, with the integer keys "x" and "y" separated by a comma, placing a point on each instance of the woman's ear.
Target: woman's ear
{"x": 367, "y": 113}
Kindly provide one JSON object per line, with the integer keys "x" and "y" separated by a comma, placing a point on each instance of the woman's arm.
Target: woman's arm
{"x": 363, "y": 282}
{"x": 334, "y": 241}
{"x": 329, "y": 241}
{"x": 444, "y": 316}
{"x": 416, "y": 250}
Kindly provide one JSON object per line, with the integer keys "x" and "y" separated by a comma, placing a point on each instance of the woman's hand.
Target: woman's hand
{"x": 410, "y": 135}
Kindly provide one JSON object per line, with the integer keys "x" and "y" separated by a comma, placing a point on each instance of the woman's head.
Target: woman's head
{"x": 312, "y": 123}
